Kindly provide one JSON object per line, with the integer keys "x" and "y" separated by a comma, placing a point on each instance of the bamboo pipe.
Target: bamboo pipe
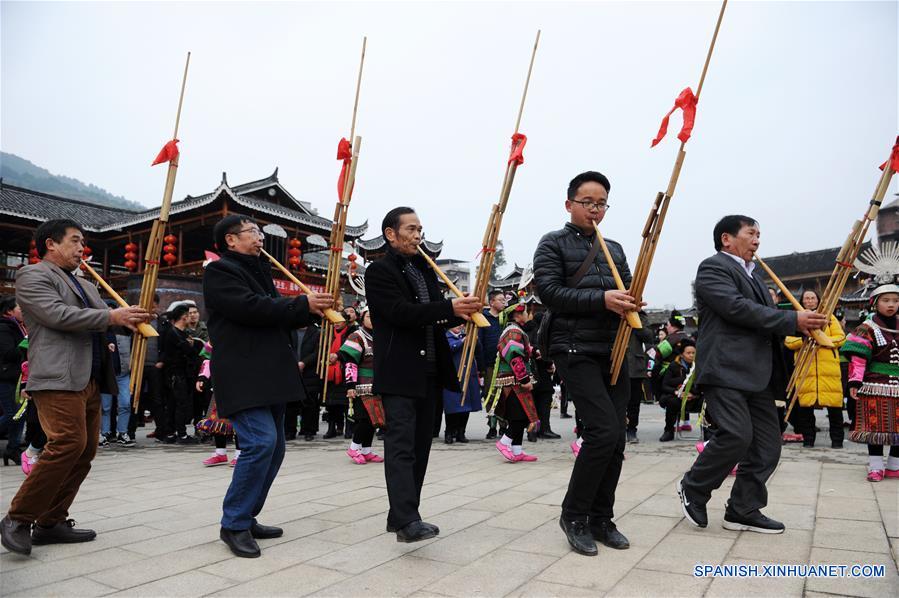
{"x": 633, "y": 319}
{"x": 145, "y": 329}
{"x": 817, "y": 334}
{"x": 478, "y": 318}
{"x": 331, "y": 314}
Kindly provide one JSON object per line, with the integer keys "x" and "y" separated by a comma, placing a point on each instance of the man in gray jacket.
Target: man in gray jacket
{"x": 740, "y": 368}
{"x": 68, "y": 367}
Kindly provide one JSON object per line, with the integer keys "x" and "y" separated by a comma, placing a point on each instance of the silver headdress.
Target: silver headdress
{"x": 881, "y": 262}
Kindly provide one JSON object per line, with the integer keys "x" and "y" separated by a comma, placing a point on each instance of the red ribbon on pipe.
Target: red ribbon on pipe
{"x": 519, "y": 140}
{"x": 894, "y": 158}
{"x": 168, "y": 153}
{"x": 686, "y": 101}
{"x": 344, "y": 153}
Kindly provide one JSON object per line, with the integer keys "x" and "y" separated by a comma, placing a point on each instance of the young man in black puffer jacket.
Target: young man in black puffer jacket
{"x": 585, "y": 315}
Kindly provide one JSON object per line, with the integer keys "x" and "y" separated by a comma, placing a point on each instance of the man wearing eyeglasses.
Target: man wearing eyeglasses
{"x": 255, "y": 370}
{"x": 585, "y": 308}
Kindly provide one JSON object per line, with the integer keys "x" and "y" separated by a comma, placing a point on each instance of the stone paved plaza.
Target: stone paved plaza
{"x": 156, "y": 511}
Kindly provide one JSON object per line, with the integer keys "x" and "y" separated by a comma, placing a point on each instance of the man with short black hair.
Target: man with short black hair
{"x": 585, "y": 307}
{"x": 180, "y": 354}
{"x": 68, "y": 368}
{"x": 255, "y": 370}
{"x": 741, "y": 370}
{"x": 412, "y": 365}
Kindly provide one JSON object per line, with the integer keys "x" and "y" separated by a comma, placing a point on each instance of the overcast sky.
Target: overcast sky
{"x": 799, "y": 106}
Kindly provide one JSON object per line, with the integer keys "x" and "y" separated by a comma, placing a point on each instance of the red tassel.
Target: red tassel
{"x": 686, "y": 101}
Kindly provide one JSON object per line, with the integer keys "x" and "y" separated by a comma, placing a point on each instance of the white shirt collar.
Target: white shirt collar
{"x": 747, "y": 268}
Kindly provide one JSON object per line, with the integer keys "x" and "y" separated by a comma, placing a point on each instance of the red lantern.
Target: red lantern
{"x": 33, "y": 257}
{"x": 131, "y": 247}
{"x": 169, "y": 250}
{"x": 170, "y": 239}
{"x": 294, "y": 252}
{"x": 170, "y": 258}
{"x": 295, "y": 243}
{"x": 86, "y": 252}
{"x": 352, "y": 257}
{"x": 294, "y": 261}
{"x": 131, "y": 265}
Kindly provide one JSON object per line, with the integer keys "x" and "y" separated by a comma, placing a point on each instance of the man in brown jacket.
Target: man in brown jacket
{"x": 68, "y": 368}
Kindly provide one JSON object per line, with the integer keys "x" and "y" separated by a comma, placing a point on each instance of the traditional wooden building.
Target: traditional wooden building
{"x": 116, "y": 237}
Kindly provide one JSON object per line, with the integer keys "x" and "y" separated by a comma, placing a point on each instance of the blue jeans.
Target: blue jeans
{"x": 123, "y": 414}
{"x": 261, "y": 433}
{"x": 13, "y": 428}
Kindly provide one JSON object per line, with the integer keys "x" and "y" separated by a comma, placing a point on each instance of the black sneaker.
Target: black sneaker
{"x": 667, "y": 436}
{"x": 104, "y": 441}
{"x": 125, "y": 440}
{"x": 693, "y": 511}
{"x": 186, "y": 440}
{"x": 491, "y": 433}
{"x": 170, "y": 439}
{"x": 632, "y": 437}
{"x": 579, "y": 537}
{"x": 755, "y": 522}
{"x": 837, "y": 444}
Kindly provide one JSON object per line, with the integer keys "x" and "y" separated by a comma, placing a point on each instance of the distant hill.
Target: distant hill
{"x": 22, "y": 173}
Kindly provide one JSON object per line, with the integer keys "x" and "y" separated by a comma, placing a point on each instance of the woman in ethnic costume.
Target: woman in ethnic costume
{"x": 514, "y": 383}
{"x": 873, "y": 353}
{"x": 455, "y": 410}
{"x": 219, "y": 428}
{"x": 358, "y": 358}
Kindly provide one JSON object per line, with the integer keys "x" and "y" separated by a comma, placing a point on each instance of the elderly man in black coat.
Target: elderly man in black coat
{"x": 412, "y": 363}
{"x": 254, "y": 370}
{"x": 740, "y": 366}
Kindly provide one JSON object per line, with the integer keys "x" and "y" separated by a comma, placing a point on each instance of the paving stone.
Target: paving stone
{"x": 189, "y": 583}
{"x": 400, "y": 577}
{"x": 162, "y": 566}
{"x": 792, "y": 546}
{"x": 78, "y": 586}
{"x": 497, "y": 575}
{"x": 368, "y": 554}
{"x": 542, "y": 589}
{"x": 641, "y": 582}
{"x": 275, "y": 558}
{"x": 842, "y": 534}
{"x": 755, "y": 586}
{"x": 468, "y": 545}
{"x": 43, "y": 573}
{"x": 299, "y": 580}
{"x": 678, "y": 553}
{"x": 524, "y": 517}
{"x": 873, "y": 587}
{"x": 838, "y": 507}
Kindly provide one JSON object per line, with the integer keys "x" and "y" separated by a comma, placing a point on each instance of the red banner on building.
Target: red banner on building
{"x": 285, "y": 287}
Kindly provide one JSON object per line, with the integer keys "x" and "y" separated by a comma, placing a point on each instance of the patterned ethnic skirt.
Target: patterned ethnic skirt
{"x": 877, "y": 415}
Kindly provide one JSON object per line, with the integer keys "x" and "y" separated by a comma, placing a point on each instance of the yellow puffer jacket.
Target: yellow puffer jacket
{"x": 822, "y": 386}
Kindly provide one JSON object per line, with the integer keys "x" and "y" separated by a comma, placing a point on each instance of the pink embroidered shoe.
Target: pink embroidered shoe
{"x": 525, "y": 457}
{"x": 233, "y": 462}
{"x": 28, "y": 463}
{"x": 505, "y": 451}
{"x": 891, "y": 473}
{"x": 575, "y": 448}
{"x": 685, "y": 428}
{"x": 215, "y": 460}
{"x": 700, "y": 446}
{"x": 875, "y": 475}
{"x": 355, "y": 456}
{"x": 373, "y": 458}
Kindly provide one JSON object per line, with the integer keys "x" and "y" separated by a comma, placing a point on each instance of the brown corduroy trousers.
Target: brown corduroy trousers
{"x": 71, "y": 421}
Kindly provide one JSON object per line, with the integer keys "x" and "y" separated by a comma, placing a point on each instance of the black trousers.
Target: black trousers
{"x": 178, "y": 404}
{"x": 543, "y": 400}
{"x": 363, "y": 430}
{"x": 748, "y": 433}
{"x": 407, "y": 446}
{"x": 456, "y": 422}
{"x": 601, "y": 410}
{"x": 309, "y": 412}
{"x": 638, "y": 393}
{"x": 803, "y": 420}
{"x": 291, "y": 414}
{"x": 150, "y": 400}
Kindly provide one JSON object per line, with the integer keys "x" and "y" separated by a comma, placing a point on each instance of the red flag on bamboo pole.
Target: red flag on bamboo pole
{"x": 168, "y": 153}
{"x": 894, "y": 158}
{"x": 345, "y": 153}
{"x": 519, "y": 140}
{"x": 686, "y": 101}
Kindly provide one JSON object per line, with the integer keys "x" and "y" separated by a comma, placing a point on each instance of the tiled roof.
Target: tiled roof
{"x": 379, "y": 242}
{"x": 806, "y": 263}
{"x": 33, "y": 205}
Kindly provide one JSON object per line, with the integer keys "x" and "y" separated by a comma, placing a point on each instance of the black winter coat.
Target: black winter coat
{"x": 399, "y": 322}
{"x": 309, "y": 357}
{"x": 580, "y": 321}
{"x": 11, "y": 356}
{"x": 254, "y": 362}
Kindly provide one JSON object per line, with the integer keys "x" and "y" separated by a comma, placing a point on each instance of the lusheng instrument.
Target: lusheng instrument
{"x": 633, "y": 319}
{"x": 817, "y": 334}
{"x": 491, "y": 234}
{"x": 348, "y": 153}
{"x": 332, "y": 315}
{"x": 478, "y": 318}
{"x": 144, "y": 329}
{"x": 653, "y": 228}
{"x": 840, "y": 275}
{"x": 168, "y": 154}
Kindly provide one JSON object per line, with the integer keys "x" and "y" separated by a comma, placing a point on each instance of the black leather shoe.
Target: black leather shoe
{"x": 460, "y": 437}
{"x": 265, "y": 532}
{"x": 606, "y": 532}
{"x": 579, "y": 537}
{"x": 632, "y": 437}
{"x": 550, "y": 435}
{"x": 837, "y": 444}
{"x": 416, "y": 532}
{"x": 63, "y": 532}
{"x": 392, "y": 530}
{"x": 667, "y": 436}
{"x": 449, "y": 437}
{"x": 15, "y": 535}
{"x": 565, "y": 416}
{"x": 491, "y": 434}
{"x": 240, "y": 542}
{"x": 755, "y": 522}
{"x": 309, "y": 437}
{"x": 693, "y": 511}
